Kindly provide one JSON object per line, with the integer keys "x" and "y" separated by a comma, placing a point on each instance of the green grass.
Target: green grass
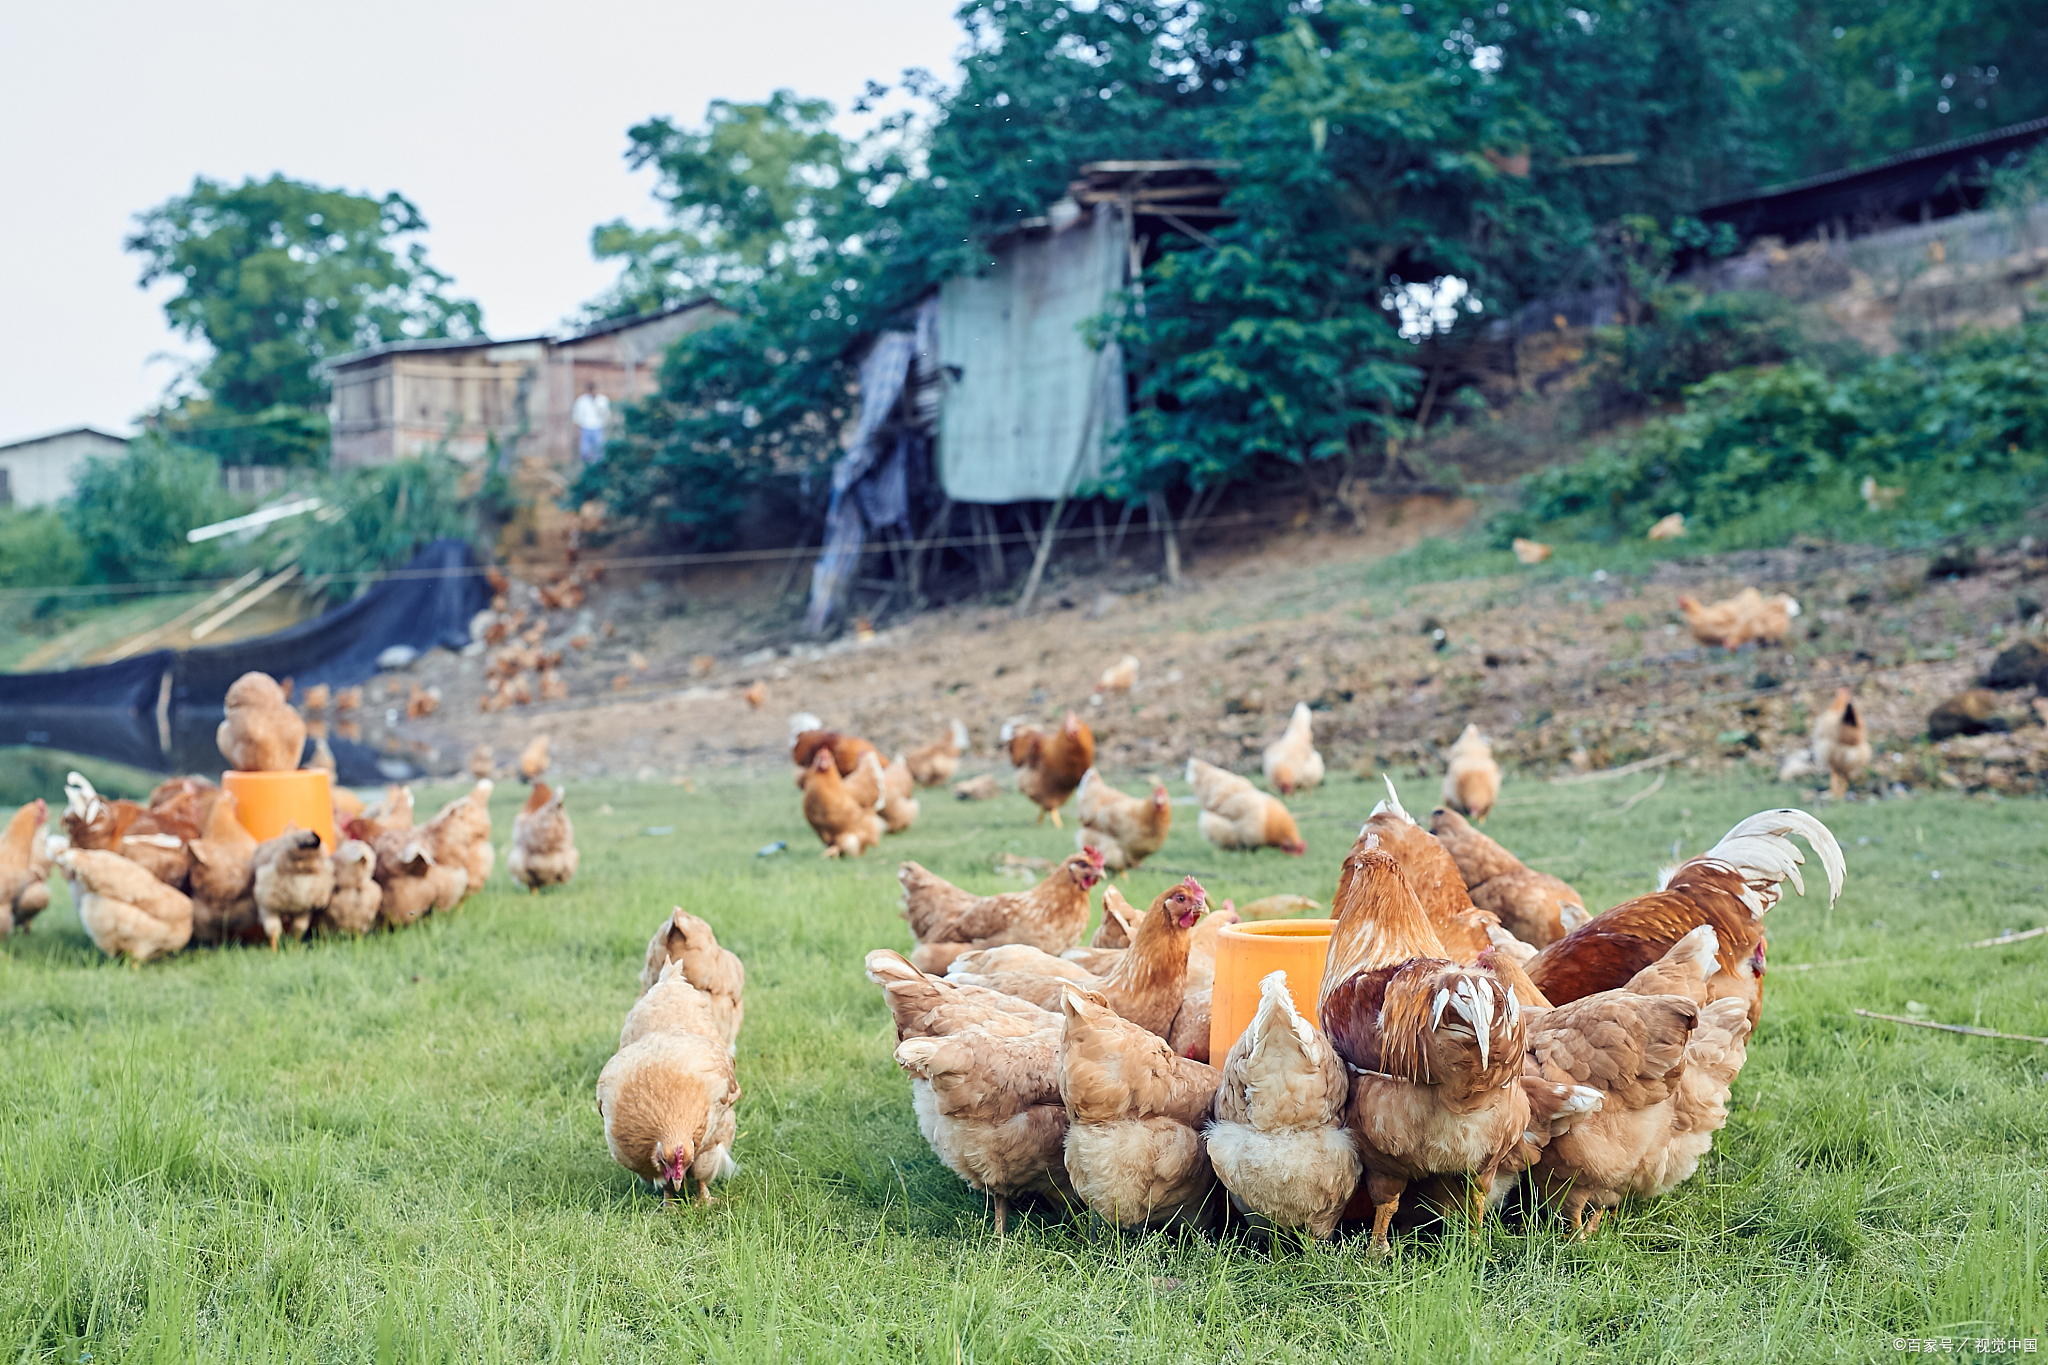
{"x": 387, "y": 1149}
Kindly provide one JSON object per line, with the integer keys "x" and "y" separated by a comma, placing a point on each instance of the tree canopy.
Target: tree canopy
{"x": 1391, "y": 161}
{"x": 275, "y": 275}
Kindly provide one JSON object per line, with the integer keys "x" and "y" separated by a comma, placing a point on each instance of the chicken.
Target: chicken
{"x": 1435, "y": 1047}
{"x": 533, "y": 759}
{"x": 984, "y": 1082}
{"x": 1135, "y": 1112}
{"x": 1535, "y": 907}
{"x": 1118, "y": 919}
{"x": 481, "y": 762}
{"x": 180, "y": 805}
{"x": 717, "y": 972}
{"x": 1126, "y": 829}
{"x": 1730, "y": 887}
{"x": 926, "y": 1006}
{"x": 934, "y": 764}
{"x": 346, "y": 805}
{"x": 154, "y": 842}
{"x": 24, "y": 867}
{"x": 667, "y": 1103}
{"x": 846, "y": 824}
{"x": 1471, "y": 777}
{"x": 316, "y": 698}
{"x": 1050, "y": 766}
{"x": 1278, "y": 1141}
{"x": 459, "y": 836}
{"x": 1463, "y": 928}
{"x": 673, "y": 1005}
{"x": 1291, "y": 761}
{"x": 352, "y": 908}
{"x": 124, "y": 909}
{"x": 223, "y": 879}
{"x": 1876, "y": 496}
{"x": 947, "y": 921}
{"x": 1841, "y": 743}
{"x": 294, "y": 882}
{"x": 1147, "y": 982}
{"x": 1189, "y": 1036}
{"x": 1119, "y": 677}
{"x": 1286, "y": 905}
{"x": 847, "y": 750}
{"x": 1668, "y": 527}
{"x": 1664, "y": 1059}
{"x": 260, "y": 733}
{"x": 1748, "y": 617}
{"x": 406, "y": 873}
{"x": 982, "y": 787}
{"x": 1235, "y": 814}
{"x": 543, "y": 849}
{"x": 1530, "y": 551}
{"x": 899, "y": 804}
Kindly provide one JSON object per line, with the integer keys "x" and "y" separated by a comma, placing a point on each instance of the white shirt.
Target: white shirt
{"x": 591, "y": 410}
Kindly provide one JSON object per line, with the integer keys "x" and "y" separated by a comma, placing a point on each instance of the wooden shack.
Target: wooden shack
{"x": 404, "y": 398}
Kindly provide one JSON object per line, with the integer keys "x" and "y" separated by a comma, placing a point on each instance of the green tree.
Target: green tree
{"x": 759, "y": 187}
{"x": 275, "y": 275}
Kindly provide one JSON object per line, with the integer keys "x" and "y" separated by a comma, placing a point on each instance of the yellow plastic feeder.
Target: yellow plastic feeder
{"x": 269, "y": 803}
{"x": 1245, "y": 955}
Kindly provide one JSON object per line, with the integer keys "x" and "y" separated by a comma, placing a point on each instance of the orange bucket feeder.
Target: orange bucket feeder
{"x": 267, "y": 803}
{"x": 1245, "y": 955}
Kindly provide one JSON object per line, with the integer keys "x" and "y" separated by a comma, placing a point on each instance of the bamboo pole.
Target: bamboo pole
{"x": 221, "y": 618}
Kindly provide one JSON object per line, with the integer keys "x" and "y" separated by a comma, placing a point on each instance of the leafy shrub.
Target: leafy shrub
{"x": 377, "y": 518}
{"x": 1760, "y": 454}
{"x": 38, "y": 548}
{"x": 1687, "y": 338}
{"x": 131, "y": 513}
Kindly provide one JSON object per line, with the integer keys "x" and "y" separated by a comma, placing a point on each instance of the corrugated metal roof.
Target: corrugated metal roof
{"x": 60, "y": 435}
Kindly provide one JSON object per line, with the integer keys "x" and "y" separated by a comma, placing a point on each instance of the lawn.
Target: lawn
{"x": 387, "y": 1148}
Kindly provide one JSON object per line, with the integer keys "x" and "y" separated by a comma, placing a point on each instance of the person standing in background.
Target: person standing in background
{"x": 591, "y": 411}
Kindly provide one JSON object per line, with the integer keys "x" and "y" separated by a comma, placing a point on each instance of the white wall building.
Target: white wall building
{"x": 40, "y": 470}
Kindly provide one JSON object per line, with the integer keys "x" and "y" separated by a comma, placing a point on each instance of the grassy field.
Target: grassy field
{"x": 387, "y": 1149}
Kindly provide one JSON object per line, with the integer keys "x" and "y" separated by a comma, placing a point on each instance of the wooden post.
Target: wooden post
{"x": 1123, "y": 524}
{"x": 1162, "y": 517}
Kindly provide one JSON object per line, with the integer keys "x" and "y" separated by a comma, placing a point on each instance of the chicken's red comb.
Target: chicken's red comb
{"x": 1093, "y": 854}
{"x": 1201, "y": 896}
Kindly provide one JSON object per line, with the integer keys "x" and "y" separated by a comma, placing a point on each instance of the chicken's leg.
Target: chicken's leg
{"x": 1002, "y": 1214}
{"x": 1575, "y": 1211}
{"x": 1056, "y": 819}
{"x": 1385, "y": 1193}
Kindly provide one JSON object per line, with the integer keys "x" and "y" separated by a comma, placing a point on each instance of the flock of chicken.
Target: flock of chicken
{"x": 150, "y": 877}
{"x": 851, "y": 798}
{"x": 1475, "y": 1029}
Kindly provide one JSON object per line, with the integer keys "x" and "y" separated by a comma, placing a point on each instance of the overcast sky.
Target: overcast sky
{"x": 503, "y": 122}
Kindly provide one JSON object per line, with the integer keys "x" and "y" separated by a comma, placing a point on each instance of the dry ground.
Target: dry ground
{"x": 1565, "y": 670}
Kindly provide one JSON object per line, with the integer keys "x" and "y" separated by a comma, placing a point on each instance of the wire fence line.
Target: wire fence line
{"x": 1026, "y": 538}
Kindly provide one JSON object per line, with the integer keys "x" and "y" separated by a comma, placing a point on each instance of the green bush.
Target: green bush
{"x": 1688, "y": 338}
{"x": 39, "y": 549}
{"x": 1758, "y": 455}
{"x": 131, "y": 513}
{"x": 376, "y": 518}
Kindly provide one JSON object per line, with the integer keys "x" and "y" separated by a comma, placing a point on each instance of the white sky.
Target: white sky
{"x": 504, "y": 122}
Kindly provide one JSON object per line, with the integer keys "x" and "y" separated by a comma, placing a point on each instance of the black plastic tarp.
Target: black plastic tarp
{"x": 109, "y": 711}
{"x": 114, "y": 711}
